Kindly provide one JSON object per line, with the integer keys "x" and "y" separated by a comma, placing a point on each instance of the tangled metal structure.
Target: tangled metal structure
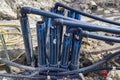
{"x": 61, "y": 60}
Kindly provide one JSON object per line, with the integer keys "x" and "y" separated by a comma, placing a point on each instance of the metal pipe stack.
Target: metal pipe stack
{"x": 64, "y": 48}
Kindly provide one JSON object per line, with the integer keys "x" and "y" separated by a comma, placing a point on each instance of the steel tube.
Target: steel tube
{"x": 74, "y": 55}
{"x": 27, "y": 39}
{"x": 30, "y": 68}
{"x": 41, "y": 32}
{"x": 47, "y": 22}
{"x": 54, "y": 44}
{"x": 53, "y": 47}
{"x": 54, "y": 38}
{"x": 100, "y": 37}
{"x": 77, "y": 41}
{"x": 87, "y": 26}
{"x": 65, "y": 51}
{"x": 71, "y": 15}
{"x": 52, "y": 77}
{"x": 19, "y": 77}
{"x": 60, "y": 31}
{"x": 91, "y": 35}
{"x": 86, "y": 14}
{"x": 77, "y": 16}
{"x": 29, "y": 10}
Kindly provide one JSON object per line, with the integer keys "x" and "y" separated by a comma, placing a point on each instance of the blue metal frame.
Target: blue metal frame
{"x": 56, "y": 23}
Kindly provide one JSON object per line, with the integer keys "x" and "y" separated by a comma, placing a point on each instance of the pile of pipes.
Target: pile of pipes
{"x": 59, "y": 41}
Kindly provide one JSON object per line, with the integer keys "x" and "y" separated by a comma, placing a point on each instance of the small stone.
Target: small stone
{"x": 106, "y": 11}
{"x": 68, "y": 1}
{"x": 116, "y": 11}
{"x": 114, "y": 74}
{"x": 108, "y": 78}
{"x": 100, "y": 11}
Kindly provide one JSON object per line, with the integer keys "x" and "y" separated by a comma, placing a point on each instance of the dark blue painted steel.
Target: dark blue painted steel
{"x": 86, "y": 14}
{"x": 76, "y": 44}
{"x": 74, "y": 64}
{"x": 87, "y": 26}
{"x": 71, "y": 15}
{"x": 60, "y": 31}
{"x": 77, "y": 16}
{"x": 66, "y": 51}
{"x": 76, "y": 47}
{"x": 46, "y": 20}
{"x": 55, "y": 36}
{"x": 41, "y": 31}
{"x": 53, "y": 47}
{"x": 100, "y": 37}
{"x": 27, "y": 39}
{"x": 29, "y": 10}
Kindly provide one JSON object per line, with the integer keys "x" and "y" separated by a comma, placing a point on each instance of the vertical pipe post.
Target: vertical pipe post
{"x": 45, "y": 19}
{"x": 66, "y": 51}
{"x": 71, "y": 15}
{"x": 74, "y": 64}
{"x": 27, "y": 39}
{"x": 51, "y": 46}
{"x": 48, "y": 24}
{"x": 60, "y": 30}
{"x": 54, "y": 48}
{"x": 77, "y": 16}
{"x": 41, "y": 32}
